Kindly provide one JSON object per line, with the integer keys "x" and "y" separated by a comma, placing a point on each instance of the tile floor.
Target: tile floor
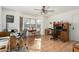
{"x": 44, "y": 44}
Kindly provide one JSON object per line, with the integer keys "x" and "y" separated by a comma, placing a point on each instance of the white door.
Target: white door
{"x": 75, "y": 27}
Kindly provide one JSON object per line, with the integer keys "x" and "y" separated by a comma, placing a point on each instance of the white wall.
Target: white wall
{"x": 42, "y": 25}
{"x": 14, "y": 25}
{"x": 43, "y": 21}
{"x": 0, "y": 19}
{"x": 16, "y": 14}
{"x": 65, "y": 17}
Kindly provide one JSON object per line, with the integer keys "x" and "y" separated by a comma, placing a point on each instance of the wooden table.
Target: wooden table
{"x": 76, "y": 47}
{"x": 33, "y": 32}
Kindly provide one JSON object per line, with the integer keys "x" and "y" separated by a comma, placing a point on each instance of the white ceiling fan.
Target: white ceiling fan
{"x": 44, "y": 10}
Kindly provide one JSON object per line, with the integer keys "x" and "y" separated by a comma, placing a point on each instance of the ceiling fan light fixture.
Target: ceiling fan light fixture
{"x": 44, "y": 10}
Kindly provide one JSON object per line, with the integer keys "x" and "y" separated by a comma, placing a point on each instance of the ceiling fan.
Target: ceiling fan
{"x": 44, "y": 10}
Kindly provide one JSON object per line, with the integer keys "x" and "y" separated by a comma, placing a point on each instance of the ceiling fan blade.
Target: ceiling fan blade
{"x": 38, "y": 9}
{"x": 50, "y": 10}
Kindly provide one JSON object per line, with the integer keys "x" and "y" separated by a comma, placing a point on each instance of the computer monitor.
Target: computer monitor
{"x": 59, "y": 28}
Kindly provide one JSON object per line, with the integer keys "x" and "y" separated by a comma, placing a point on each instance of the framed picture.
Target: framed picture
{"x": 9, "y": 18}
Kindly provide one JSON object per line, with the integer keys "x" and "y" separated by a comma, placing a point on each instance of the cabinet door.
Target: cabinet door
{"x": 64, "y": 36}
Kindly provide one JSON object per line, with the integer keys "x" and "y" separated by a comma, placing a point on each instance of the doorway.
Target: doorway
{"x": 75, "y": 28}
{"x": 32, "y": 24}
{"x": 21, "y": 24}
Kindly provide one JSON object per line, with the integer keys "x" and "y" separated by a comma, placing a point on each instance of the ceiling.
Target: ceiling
{"x": 31, "y": 9}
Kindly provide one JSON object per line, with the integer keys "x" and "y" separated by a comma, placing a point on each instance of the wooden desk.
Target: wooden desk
{"x": 65, "y": 32}
{"x": 61, "y": 32}
{"x": 64, "y": 36}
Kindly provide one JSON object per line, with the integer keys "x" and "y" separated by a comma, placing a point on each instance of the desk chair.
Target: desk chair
{"x": 13, "y": 42}
{"x": 56, "y": 33}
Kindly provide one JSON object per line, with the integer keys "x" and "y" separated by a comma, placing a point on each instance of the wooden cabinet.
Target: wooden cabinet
{"x": 65, "y": 32}
{"x": 64, "y": 36}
